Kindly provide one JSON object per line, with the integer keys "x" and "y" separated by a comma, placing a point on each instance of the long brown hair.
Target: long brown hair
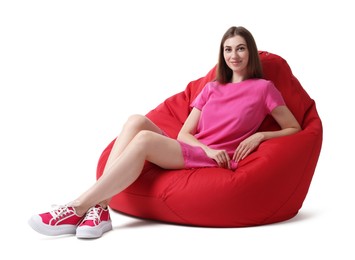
{"x": 254, "y": 69}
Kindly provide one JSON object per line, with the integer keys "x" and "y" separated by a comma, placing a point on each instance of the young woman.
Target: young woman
{"x": 220, "y": 131}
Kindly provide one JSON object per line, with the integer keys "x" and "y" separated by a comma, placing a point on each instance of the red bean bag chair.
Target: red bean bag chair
{"x": 269, "y": 186}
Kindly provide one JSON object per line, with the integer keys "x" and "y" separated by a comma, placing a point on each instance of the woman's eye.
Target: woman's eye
{"x": 227, "y": 50}
{"x": 241, "y": 49}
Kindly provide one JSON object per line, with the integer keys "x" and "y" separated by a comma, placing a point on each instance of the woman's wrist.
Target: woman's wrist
{"x": 261, "y": 136}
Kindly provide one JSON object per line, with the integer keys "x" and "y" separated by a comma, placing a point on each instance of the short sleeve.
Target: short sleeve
{"x": 201, "y": 99}
{"x": 273, "y": 97}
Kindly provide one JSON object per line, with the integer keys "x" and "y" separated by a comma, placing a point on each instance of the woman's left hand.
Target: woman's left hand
{"x": 247, "y": 146}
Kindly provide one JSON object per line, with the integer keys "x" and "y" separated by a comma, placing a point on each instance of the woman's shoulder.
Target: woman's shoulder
{"x": 213, "y": 83}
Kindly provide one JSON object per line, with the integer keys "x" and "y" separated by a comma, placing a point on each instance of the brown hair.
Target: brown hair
{"x": 254, "y": 69}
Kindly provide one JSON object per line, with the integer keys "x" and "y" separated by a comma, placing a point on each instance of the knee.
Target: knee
{"x": 137, "y": 122}
{"x": 144, "y": 139}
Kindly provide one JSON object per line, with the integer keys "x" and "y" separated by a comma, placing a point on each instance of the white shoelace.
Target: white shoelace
{"x": 59, "y": 211}
{"x": 92, "y": 214}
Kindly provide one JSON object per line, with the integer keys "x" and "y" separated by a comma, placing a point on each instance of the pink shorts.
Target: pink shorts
{"x": 195, "y": 157}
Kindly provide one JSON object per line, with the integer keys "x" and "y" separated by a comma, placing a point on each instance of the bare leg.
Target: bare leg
{"x": 126, "y": 168}
{"x": 131, "y": 128}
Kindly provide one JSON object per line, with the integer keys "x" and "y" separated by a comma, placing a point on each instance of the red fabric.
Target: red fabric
{"x": 269, "y": 186}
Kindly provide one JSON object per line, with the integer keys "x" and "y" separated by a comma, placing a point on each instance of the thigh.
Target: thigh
{"x": 138, "y": 123}
{"x": 163, "y": 151}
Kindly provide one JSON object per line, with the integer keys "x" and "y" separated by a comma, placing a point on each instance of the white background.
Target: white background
{"x": 71, "y": 72}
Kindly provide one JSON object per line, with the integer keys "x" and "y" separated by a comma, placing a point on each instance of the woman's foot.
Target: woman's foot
{"x": 97, "y": 221}
{"x": 61, "y": 221}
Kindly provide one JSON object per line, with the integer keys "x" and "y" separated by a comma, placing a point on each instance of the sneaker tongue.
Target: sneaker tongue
{"x": 59, "y": 211}
{"x": 93, "y": 213}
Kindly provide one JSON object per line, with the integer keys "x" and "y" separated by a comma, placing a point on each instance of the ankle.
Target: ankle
{"x": 79, "y": 209}
{"x": 104, "y": 205}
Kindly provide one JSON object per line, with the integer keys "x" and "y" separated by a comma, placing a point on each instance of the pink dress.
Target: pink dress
{"x": 229, "y": 114}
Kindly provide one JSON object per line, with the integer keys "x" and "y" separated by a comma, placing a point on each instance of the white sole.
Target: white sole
{"x": 36, "y": 223}
{"x": 94, "y": 232}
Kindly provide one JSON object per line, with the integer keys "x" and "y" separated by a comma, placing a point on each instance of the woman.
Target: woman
{"x": 220, "y": 131}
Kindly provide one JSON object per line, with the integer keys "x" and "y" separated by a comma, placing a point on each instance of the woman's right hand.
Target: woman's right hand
{"x": 220, "y": 156}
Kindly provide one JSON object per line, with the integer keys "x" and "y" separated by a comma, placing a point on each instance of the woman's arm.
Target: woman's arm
{"x": 188, "y": 130}
{"x": 186, "y": 135}
{"x": 287, "y": 122}
{"x": 283, "y": 117}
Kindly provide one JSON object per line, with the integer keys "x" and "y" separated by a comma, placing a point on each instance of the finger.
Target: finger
{"x": 242, "y": 153}
{"x": 223, "y": 160}
{"x": 246, "y": 152}
{"x": 235, "y": 155}
{"x": 227, "y": 160}
{"x": 239, "y": 152}
{"x": 219, "y": 161}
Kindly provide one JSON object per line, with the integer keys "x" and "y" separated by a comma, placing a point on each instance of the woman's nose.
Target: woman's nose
{"x": 235, "y": 54}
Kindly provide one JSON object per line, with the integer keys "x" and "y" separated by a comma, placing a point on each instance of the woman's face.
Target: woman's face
{"x": 236, "y": 54}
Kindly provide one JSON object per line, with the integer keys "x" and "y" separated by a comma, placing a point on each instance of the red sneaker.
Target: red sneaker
{"x": 96, "y": 222}
{"x": 60, "y": 221}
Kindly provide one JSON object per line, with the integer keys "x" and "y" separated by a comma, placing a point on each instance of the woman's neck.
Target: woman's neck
{"x": 236, "y": 78}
